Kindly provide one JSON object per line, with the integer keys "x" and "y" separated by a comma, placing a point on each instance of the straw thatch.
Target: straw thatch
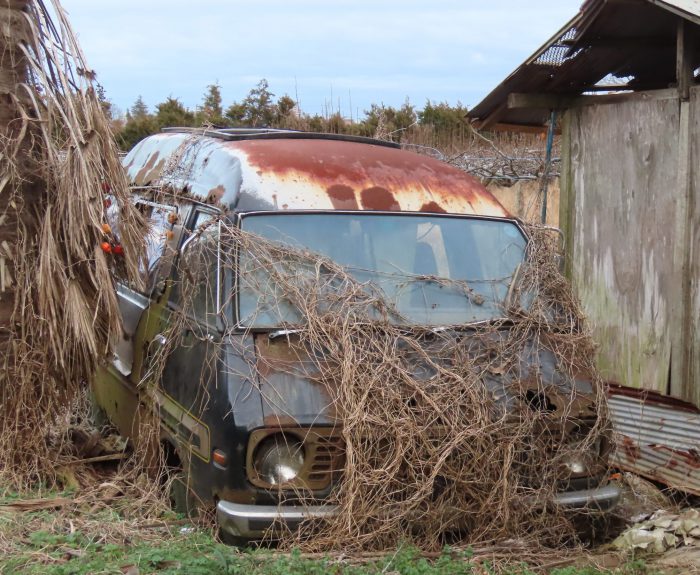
{"x": 58, "y": 160}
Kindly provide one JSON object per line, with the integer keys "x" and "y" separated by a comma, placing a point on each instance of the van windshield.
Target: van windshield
{"x": 434, "y": 270}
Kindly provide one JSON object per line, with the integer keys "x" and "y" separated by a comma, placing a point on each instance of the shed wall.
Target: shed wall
{"x": 694, "y": 254}
{"x": 634, "y": 236}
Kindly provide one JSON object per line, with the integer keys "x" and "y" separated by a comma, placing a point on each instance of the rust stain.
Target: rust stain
{"x": 289, "y": 386}
{"x": 630, "y": 448}
{"x": 215, "y": 194}
{"x": 342, "y": 197}
{"x": 658, "y": 436}
{"x": 378, "y": 198}
{"x": 335, "y": 166}
{"x": 145, "y": 174}
{"x": 691, "y": 458}
{"x": 277, "y": 356}
{"x": 432, "y": 207}
{"x": 279, "y": 420}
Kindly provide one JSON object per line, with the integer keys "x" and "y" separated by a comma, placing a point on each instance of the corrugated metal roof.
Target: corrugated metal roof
{"x": 629, "y": 43}
{"x": 657, "y": 437}
{"x": 286, "y": 170}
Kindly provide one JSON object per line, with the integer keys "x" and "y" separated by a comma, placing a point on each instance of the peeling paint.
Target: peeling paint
{"x": 313, "y": 173}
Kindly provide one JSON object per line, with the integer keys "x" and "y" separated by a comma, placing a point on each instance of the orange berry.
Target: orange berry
{"x": 106, "y": 248}
{"x": 106, "y": 228}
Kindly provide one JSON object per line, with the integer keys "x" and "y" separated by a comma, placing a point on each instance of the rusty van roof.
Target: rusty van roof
{"x": 249, "y": 170}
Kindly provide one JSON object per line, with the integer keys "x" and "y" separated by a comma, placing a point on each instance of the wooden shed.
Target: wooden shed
{"x": 621, "y": 79}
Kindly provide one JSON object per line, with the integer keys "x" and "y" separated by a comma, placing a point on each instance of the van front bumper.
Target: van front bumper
{"x": 256, "y": 521}
{"x": 598, "y": 499}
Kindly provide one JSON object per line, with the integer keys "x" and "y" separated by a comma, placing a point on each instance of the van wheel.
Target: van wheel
{"x": 182, "y": 500}
{"x": 98, "y": 416}
{"x": 180, "y": 495}
{"x": 233, "y": 540}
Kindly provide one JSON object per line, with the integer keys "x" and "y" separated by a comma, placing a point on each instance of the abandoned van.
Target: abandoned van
{"x": 363, "y": 204}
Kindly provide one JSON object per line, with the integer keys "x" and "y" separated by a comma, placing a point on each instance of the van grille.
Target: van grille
{"x": 327, "y": 459}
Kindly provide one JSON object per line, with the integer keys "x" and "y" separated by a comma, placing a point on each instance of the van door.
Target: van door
{"x": 190, "y": 371}
{"x": 116, "y": 386}
{"x": 161, "y": 247}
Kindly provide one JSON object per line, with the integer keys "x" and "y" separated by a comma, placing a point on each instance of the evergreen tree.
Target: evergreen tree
{"x": 447, "y": 123}
{"x": 236, "y": 114}
{"x": 256, "y": 110}
{"x": 286, "y": 108}
{"x": 135, "y": 130}
{"x": 139, "y": 109}
{"x": 212, "y": 111}
{"x": 104, "y": 102}
{"x": 173, "y": 113}
{"x": 442, "y": 116}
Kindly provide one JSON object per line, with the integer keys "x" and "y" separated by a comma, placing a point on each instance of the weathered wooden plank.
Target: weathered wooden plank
{"x": 679, "y": 319}
{"x": 539, "y": 101}
{"x": 684, "y": 58}
{"x": 692, "y": 385}
{"x": 522, "y": 128}
{"x": 566, "y": 190}
{"x": 558, "y": 102}
{"x": 493, "y": 118}
{"x": 623, "y": 165}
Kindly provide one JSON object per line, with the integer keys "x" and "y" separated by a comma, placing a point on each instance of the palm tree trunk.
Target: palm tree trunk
{"x": 17, "y": 191}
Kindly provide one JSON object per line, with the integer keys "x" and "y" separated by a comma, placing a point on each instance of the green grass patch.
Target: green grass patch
{"x": 81, "y": 539}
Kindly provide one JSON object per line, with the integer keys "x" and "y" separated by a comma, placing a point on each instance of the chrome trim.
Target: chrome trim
{"x": 280, "y": 332}
{"x": 139, "y": 300}
{"x": 603, "y": 498}
{"x": 518, "y": 223}
{"x": 254, "y": 521}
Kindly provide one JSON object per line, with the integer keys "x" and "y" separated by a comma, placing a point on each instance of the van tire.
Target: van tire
{"x": 182, "y": 500}
{"x": 180, "y": 495}
{"x": 233, "y": 540}
{"x": 98, "y": 416}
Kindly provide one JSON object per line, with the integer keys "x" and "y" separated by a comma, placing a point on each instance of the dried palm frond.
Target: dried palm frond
{"x": 57, "y": 161}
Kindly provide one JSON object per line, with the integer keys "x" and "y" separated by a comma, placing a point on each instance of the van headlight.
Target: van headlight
{"x": 278, "y": 459}
{"x": 575, "y": 465}
{"x": 582, "y": 457}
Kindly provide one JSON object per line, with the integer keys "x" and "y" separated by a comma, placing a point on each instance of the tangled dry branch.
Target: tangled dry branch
{"x": 449, "y": 432}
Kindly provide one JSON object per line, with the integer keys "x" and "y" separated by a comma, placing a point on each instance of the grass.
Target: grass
{"x": 199, "y": 554}
{"x": 79, "y": 541}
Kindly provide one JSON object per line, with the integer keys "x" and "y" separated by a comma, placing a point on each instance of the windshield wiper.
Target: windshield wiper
{"x": 511, "y": 286}
{"x": 281, "y": 332}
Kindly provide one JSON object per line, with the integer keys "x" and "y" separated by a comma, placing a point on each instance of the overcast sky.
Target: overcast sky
{"x": 330, "y": 54}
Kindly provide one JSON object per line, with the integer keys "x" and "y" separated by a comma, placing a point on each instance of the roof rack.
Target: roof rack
{"x": 236, "y": 134}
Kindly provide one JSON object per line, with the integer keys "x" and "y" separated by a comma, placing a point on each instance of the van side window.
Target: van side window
{"x": 197, "y": 286}
{"x": 161, "y": 220}
{"x": 157, "y": 216}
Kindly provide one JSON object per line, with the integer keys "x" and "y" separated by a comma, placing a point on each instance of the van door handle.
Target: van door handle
{"x": 159, "y": 341}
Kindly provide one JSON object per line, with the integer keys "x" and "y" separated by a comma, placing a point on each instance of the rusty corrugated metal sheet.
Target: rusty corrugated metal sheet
{"x": 314, "y": 173}
{"x": 657, "y": 437}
